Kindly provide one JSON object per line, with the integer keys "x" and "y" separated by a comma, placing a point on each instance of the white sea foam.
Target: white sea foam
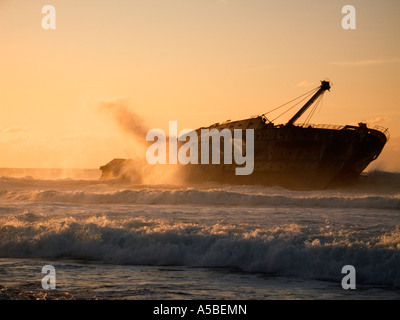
{"x": 288, "y": 249}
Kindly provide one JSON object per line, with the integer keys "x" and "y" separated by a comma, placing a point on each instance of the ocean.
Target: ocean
{"x": 113, "y": 240}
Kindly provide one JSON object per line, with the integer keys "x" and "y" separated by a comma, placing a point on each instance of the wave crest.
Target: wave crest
{"x": 290, "y": 249}
{"x": 206, "y": 197}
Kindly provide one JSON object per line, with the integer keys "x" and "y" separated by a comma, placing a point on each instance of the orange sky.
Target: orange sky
{"x": 197, "y": 62}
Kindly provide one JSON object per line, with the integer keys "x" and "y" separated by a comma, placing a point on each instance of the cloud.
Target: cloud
{"x": 13, "y": 130}
{"x": 271, "y": 66}
{"x": 363, "y": 63}
{"x": 265, "y": 67}
{"x": 378, "y": 120}
{"x": 14, "y": 135}
{"x": 304, "y": 84}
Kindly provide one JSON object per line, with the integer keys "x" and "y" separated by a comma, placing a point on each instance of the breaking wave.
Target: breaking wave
{"x": 207, "y": 197}
{"x": 290, "y": 249}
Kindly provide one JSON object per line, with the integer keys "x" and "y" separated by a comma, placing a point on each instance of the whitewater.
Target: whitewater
{"x": 109, "y": 239}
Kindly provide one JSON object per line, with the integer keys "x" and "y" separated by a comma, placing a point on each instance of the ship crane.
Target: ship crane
{"x": 325, "y": 85}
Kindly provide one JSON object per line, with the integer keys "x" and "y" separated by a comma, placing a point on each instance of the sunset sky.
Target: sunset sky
{"x": 194, "y": 61}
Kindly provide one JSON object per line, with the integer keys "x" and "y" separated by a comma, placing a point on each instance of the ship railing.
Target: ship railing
{"x": 322, "y": 126}
{"x": 384, "y": 130}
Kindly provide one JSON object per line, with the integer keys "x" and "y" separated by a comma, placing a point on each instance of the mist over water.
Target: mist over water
{"x": 138, "y": 170}
{"x": 126, "y": 119}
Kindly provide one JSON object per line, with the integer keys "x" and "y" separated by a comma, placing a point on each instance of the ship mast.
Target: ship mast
{"x": 325, "y": 85}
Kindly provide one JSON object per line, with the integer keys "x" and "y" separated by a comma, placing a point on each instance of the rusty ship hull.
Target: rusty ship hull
{"x": 297, "y": 157}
